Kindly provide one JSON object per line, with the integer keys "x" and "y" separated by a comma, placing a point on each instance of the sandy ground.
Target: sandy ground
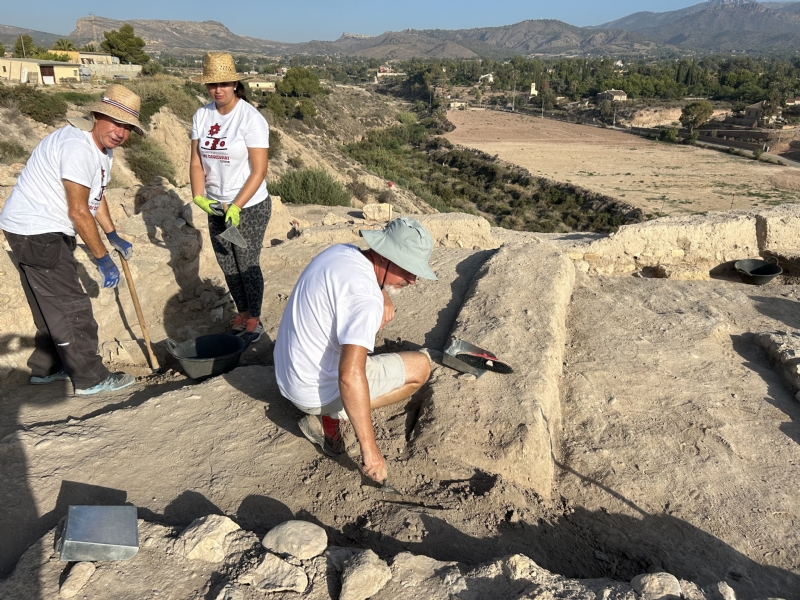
{"x": 676, "y": 421}
{"x": 657, "y": 177}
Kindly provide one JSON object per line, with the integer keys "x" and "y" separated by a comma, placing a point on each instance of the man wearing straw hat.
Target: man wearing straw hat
{"x": 60, "y": 193}
{"x": 328, "y": 328}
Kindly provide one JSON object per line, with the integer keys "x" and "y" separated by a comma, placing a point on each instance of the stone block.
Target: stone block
{"x": 274, "y": 574}
{"x": 300, "y": 539}
{"x": 364, "y": 575}
{"x": 205, "y": 538}
{"x": 377, "y": 212}
{"x": 657, "y": 586}
{"x": 79, "y": 576}
{"x": 459, "y": 230}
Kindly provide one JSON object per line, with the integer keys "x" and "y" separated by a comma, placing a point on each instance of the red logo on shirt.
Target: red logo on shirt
{"x": 214, "y": 129}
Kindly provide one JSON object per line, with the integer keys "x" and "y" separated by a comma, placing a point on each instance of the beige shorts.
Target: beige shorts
{"x": 385, "y": 372}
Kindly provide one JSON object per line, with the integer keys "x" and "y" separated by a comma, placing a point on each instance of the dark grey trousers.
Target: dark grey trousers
{"x": 242, "y": 266}
{"x": 66, "y": 332}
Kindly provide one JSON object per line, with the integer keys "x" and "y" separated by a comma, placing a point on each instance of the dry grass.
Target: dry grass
{"x": 656, "y": 177}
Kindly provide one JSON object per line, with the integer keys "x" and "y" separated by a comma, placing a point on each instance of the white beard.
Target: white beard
{"x": 392, "y": 290}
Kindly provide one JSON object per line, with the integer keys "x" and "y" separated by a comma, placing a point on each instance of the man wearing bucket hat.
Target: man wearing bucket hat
{"x": 328, "y": 329}
{"x": 60, "y": 193}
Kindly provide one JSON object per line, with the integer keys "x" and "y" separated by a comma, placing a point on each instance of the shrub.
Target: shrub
{"x": 147, "y": 160}
{"x": 275, "y": 143}
{"x": 668, "y": 134}
{"x": 359, "y": 189}
{"x": 692, "y": 139}
{"x": 39, "y": 106}
{"x": 386, "y": 197}
{"x": 757, "y": 153}
{"x": 159, "y": 91}
{"x": 311, "y": 186}
{"x": 406, "y": 118}
{"x": 12, "y": 152}
{"x": 78, "y": 98}
{"x": 295, "y": 162}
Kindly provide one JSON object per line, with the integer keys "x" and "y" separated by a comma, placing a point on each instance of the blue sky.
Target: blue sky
{"x": 326, "y": 20}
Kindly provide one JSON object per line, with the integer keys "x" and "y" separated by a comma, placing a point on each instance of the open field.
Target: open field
{"x": 657, "y": 177}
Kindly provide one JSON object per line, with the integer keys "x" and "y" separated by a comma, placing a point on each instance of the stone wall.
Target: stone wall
{"x": 690, "y": 247}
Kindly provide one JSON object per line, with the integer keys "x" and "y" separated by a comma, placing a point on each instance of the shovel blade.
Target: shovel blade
{"x": 232, "y": 235}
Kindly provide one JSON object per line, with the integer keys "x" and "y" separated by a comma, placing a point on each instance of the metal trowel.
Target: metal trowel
{"x": 231, "y": 233}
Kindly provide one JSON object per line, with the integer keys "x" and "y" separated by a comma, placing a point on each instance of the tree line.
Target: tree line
{"x": 736, "y": 79}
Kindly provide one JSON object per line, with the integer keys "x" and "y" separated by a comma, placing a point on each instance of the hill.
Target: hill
{"x": 719, "y": 25}
{"x": 9, "y": 34}
{"x": 171, "y": 36}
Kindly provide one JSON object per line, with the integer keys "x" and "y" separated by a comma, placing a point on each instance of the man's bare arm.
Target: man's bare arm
{"x": 354, "y": 390}
{"x": 82, "y": 219}
{"x": 103, "y": 217}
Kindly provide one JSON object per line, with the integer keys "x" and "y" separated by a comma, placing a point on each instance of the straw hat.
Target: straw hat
{"x": 218, "y": 67}
{"x": 121, "y": 104}
{"x": 406, "y": 243}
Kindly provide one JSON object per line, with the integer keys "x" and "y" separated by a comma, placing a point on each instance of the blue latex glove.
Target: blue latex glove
{"x": 109, "y": 271}
{"x": 124, "y": 247}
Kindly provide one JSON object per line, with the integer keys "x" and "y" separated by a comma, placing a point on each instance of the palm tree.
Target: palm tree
{"x": 90, "y": 47}
{"x": 64, "y": 44}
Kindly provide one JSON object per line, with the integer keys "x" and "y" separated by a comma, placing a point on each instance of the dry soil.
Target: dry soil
{"x": 656, "y": 177}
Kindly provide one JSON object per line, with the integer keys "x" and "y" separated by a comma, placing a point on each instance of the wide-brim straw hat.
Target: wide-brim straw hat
{"x": 218, "y": 67}
{"x": 406, "y": 243}
{"x": 121, "y": 104}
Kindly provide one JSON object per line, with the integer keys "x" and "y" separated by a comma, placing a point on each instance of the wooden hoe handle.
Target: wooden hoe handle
{"x": 139, "y": 315}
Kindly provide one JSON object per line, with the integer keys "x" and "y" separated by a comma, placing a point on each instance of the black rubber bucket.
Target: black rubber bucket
{"x": 207, "y": 355}
{"x": 757, "y": 272}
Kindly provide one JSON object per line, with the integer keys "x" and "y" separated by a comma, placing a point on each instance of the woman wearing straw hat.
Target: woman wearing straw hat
{"x": 59, "y": 193}
{"x": 230, "y": 141}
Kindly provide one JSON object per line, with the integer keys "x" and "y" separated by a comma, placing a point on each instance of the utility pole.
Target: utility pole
{"x": 615, "y": 116}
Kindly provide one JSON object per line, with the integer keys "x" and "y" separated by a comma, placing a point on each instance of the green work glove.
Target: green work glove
{"x": 212, "y": 207}
{"x": 232, "y": 215}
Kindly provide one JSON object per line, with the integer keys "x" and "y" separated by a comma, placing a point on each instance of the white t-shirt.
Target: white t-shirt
{"x": 223, "y": 141}
{"x": 38, "y": 203}
{"x": 336, "y": 301}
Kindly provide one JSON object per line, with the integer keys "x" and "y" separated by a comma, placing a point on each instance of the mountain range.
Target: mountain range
{"x": 712, "y": 26}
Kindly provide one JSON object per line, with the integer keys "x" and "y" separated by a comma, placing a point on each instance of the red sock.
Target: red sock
{"x": 330, "y": 426}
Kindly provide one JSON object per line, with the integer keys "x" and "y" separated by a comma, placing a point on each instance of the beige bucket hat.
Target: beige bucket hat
{"x": 121, "y": 104}
{"x": 218, "y": 67}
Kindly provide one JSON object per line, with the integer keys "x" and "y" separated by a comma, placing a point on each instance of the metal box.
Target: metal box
{"x": 93, "y": 533}
{"x": 458, "y": 346}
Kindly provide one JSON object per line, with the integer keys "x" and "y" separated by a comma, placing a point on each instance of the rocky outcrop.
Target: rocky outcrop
{"x": 171, "y": 135}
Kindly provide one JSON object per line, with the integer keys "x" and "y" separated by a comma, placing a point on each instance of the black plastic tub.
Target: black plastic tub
{"x": 207, "y": 355}
{"x": 757, "y": 272}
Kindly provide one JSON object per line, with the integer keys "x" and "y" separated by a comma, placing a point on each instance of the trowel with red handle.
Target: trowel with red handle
{"x": 485, "y": 360}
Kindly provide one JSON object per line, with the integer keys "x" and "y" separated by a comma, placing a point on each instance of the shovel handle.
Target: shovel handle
{"x": 139, "y": 315}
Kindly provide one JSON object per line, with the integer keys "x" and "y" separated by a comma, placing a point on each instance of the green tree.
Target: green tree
{"x": 64, "y": 44}
{"x": 2, "y": 49}
{"x": 24, "y": 47}
{"x": 695, "y": 114}
{"x": 299, "y": 81}
{"x": 306, "y": 109}
{"x": 125, "y": 45}
{"x": 90, "y": 47}
{"x": 606, "y": 110}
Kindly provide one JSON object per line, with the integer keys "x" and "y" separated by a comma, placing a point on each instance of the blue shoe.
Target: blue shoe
{"x": 45, "y": 379}
{"x": 112, "y": 383}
